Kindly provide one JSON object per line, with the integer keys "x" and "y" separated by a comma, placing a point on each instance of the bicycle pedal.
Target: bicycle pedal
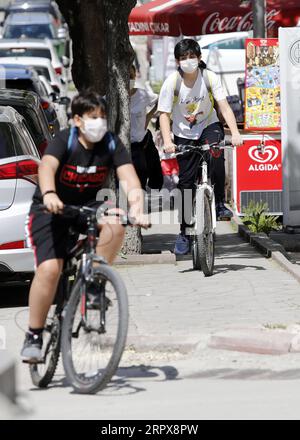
{"x": 31, "y": 362}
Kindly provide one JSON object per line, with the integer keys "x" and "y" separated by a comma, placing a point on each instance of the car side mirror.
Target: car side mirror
{"x": 54, "y": 97}
{"x": 65, "y": 60}
{"x": 62, "y": 33}
{"x": 56, "y": 89}
{"x": 65, "y": 100}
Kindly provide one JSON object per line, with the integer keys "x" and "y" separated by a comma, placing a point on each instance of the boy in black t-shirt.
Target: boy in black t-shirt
{"x": 72, "y": 171}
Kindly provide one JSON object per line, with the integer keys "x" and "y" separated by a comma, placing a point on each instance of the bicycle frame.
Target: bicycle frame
{"x": 204, "y": 187}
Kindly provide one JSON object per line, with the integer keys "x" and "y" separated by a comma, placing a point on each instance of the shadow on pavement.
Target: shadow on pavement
{"x": 224, "y": 268}
{"x": 250, "y": 374}
{"x": 14, "y": 294}
{"x": 156, "y": 243}
{"x": 124, "y": 380}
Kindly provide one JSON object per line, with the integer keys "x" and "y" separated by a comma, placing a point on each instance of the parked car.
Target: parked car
{"x": 35, "y": 25}
{"x": 225, "y": 55}
{"x": 26, "y": 78}
{"x": 42, "y": 66}
{"x": 29, "y": 106}
{"x": 61, "y": 104}
{"x": 30, "y": 25}
{"x": 36, "y": 6}
{"x": 19, "y": 160}
{"x": 36, "y": 48}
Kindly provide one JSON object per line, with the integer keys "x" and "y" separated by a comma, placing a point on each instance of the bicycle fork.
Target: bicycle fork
{"x": 203, "y": 189}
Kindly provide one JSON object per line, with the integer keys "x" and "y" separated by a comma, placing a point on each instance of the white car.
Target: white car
{"x": 43, "y": 66}
{"x": 225, "y": 55}
{"x": 36, "y": 48}
{"x": 60, "y": 103}
{"x": 19, "y": 161}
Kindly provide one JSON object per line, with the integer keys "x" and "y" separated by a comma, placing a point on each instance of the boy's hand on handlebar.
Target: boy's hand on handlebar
{"x": 169, "y": 148}
{"x": 53, "y": 203}
{"x": 237, "y": 140}
{"x": 142, "y": 220}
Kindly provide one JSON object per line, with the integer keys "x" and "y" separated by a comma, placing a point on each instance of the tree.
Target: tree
{"x": 102, "y": 56}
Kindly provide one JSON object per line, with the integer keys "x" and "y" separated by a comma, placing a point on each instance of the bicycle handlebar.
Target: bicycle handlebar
{"x": 101, "y": 211}
{"x": 185, "y": 148}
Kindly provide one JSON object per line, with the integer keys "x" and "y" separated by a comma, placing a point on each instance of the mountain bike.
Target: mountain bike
{"x": 91, "y": 340}
{"x": 203, "y": 224}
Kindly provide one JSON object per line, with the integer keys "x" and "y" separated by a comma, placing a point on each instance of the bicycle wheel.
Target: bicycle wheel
{"x": 91, "y": 353}
{"x": 42, "y": 373}
{"x": 195, "y": 253}
{"x": 205, "y": 242}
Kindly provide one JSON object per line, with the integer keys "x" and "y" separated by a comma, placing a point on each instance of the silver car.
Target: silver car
{"x": 19, "y": 161}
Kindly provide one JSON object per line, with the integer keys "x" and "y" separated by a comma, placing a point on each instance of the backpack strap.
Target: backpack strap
{"x": 73, "y": 136}
{"x": 177, "y": 85}
{"x": 207, "y": 82}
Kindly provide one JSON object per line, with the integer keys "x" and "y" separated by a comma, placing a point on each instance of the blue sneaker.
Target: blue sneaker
{"x": 222, "y": 211}
{"x": 182, "y": 245}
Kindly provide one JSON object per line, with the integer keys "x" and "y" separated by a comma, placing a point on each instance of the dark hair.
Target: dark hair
{"x": 187, "y": 46}
{"x": 87, "y": 101}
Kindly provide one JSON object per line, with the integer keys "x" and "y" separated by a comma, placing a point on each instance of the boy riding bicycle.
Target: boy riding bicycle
{"x": 185, "y": 94}
{"x": 72, "y": 171}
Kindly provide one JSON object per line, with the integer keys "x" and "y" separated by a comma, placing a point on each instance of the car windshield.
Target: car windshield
{"x": 25, "y": 52}
{"x": 29, "y": 31}
{"x": 234, "y": 43}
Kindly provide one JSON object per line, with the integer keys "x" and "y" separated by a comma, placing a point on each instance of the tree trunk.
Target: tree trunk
{"x": 102, "y": 56}
{"x": 119, "y": 60}
{"x": 85, "y": 19}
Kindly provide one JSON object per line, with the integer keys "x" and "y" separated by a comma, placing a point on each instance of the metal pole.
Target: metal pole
{"x": 259, "y": 18}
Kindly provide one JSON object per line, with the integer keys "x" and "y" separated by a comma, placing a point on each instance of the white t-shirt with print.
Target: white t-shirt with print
{"x": 192, "y": 112}
{"x": 139, "y": 103}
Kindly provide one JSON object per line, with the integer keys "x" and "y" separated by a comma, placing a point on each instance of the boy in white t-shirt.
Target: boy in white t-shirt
{"x": 145, "y": 157}
{"x": 195, "y": 122}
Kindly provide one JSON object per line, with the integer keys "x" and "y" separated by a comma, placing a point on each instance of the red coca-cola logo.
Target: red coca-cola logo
{"x": 214, "y": 23}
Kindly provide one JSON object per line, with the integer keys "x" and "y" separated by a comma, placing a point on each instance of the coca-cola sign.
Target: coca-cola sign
{"x": 214, "y": 23}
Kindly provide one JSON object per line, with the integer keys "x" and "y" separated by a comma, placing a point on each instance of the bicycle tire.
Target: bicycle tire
{"x": 98, "y": 382}
{"x": 205, "y": 242}
{"x": 40, "y": 376}
{"x": 195, "y": 253}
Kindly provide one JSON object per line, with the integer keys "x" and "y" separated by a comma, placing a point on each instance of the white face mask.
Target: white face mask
{"x": 94, "y": 129}
{"x": 132, "y": 84}
{"x": 189, "y": 65}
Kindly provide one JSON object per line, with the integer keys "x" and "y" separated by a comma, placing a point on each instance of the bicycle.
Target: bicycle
{"x": 72, "y": 328}
{"x": 203, "y": 223}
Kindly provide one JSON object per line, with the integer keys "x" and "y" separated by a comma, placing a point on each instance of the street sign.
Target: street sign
{"x": 257, "y": 173}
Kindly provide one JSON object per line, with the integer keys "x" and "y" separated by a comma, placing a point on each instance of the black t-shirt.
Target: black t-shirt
{"x": 82, "y": 173}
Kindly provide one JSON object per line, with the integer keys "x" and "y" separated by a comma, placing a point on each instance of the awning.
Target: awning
{"x": 200, "y": 17}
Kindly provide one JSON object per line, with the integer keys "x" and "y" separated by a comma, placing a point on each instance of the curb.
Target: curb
{"x": 166, "y": 257}
{"x": 267, "y": 247}
{"x": 256, "y": 340}
{"x": 162, "y": 344}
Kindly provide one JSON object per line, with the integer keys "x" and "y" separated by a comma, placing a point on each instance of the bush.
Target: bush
{"x": 258, "y": 220}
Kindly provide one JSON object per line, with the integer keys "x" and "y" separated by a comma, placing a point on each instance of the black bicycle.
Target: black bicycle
{"x": 91, "y": 338}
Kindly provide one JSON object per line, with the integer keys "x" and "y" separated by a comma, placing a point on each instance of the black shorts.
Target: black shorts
{"x": 49, "y": 234}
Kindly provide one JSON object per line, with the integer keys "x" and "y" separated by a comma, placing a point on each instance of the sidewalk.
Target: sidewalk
{"x": 173, "y": 307}
{"x": 247, "y": 305}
